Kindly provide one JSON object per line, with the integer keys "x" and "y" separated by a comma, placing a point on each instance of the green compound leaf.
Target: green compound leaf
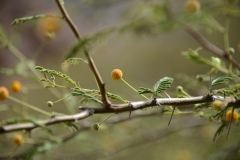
{"x": 162, "y": 84}
{"x": 74, "y": 61}
{"x": 114, "y": 96}
{"x": 84, "y": 42}
{"x": 109, "y": 94}
{"x": 229, "y": 10}
{"x": 143, "y": 90}
{"x": 78, "y": 92}
{"x": 221, "y": 80}
{"x": 27, "y": 19}
{"x": 71, "y": 126}
{"x": 194, "y": 56}
{"x": 56, "y": 73}
{"x": 220, "y": 130}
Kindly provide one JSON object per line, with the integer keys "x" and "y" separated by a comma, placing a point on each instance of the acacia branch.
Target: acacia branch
{"x": 101, "y": 85}
{"x": 116, "y": 108}
{"x": 211, "y": 47}
{"x": 84, "y": 127}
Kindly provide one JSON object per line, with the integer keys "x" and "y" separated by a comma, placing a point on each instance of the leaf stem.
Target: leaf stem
{"x": 29, "y": 106}
{"x": 133, "y": 88}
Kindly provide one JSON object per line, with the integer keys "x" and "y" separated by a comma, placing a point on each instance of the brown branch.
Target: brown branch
{"x": 101, "y": 85}
{"x": 84, "y": 127}
{"x": 116, "y": 108}
{"x": 57, "y": 119}
{"x": 211, "y": 47}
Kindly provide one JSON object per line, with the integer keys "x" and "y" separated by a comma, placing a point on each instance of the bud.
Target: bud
{"x": 49, "y": 103}
{"x": 95, "y": 126}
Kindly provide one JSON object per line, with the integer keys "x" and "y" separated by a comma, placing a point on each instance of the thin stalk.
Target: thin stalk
{"x": 106, "y": 119}
{"x": 14, "y": 151}
{"x": 133, "y": 88}
{"x": 62, "y": 98}
{"x": 39, "y": 50}
{"x": 29, "y": 106}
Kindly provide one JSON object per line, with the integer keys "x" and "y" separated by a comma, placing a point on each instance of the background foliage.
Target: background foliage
{"x": 146, "y": 43}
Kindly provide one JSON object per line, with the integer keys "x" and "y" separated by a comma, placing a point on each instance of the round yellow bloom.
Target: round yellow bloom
{"x": 18, "y": 139}
{"x": 218, "y": 105}
{"x": 116, "y": 74}
{"x": 3, "y": 93}
{"x": 49, "y": 24}
{"x": 16, "y": 86}
{"x": 229, "y": 115}
{"x": 192, "y": 6}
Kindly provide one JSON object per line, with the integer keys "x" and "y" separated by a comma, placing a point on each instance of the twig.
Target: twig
{"x": 84, "y": 127}
{"x": 101, "y": 85}
{"x": 117, "y": 108}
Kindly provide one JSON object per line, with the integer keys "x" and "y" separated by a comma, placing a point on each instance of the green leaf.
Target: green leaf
{"x": 109, "y": 94}
{"x": 202, "y": 19}
{"x": 71, "y": 126}
{"x": 114, "y": 96}
{"x": 194, "y": 56}
{"x": 74, "y": 61}
{"x": 143, "y": 90}
{"x": 229, "y": 11}
{"x": 162, "y": 84}
{"x": 221, "y": 80}
{"x": 79, "y": 92}
{"x": 27, "y": 19}
{"x": 82, "y": 44}
{"x": 219, "y": 130}
{"x": 56, "y": 73}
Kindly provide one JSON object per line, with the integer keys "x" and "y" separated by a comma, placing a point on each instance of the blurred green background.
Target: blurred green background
{"x": 144, "y": 59}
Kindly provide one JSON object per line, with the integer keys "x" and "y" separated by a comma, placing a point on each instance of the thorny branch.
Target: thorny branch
{"x": 86, "y": 126}
{"x": 101, "y": 85}
{"x": 116, "y": 108}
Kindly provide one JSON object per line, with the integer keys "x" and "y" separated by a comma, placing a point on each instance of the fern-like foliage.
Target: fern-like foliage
{"x": 79, "y": 92}
{"x": 162, "y": 85}
{"x": 71, "y": 126}
{"x": 221, "y": 80}
{"x": 30, "y": 18}
{"x": 74, "y": 61}
{"x": 214, "y": 62}
{"x": 86, "y": 41}
{"x": 94, "y": 95}
{"x": 230, "y": 10}
{"x": 232, "y": 90}
{"x": 56, "y": 73}
{"x": 143, "y": 90}
{"x": 202, "y": 19}
{"x": 158, "y": 88}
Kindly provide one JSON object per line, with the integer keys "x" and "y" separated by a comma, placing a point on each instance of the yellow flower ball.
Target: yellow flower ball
{"x": 50, "y": 24}
{"x": 3, "y": 93}
{"x": 16, "y": 86}
{"x": 18, "y": 139}
{"x": 218, "y": 105}
{"x": 116, "y": 74}
{"x": 192, "y": 6}
{"x": 229, "y": 115}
